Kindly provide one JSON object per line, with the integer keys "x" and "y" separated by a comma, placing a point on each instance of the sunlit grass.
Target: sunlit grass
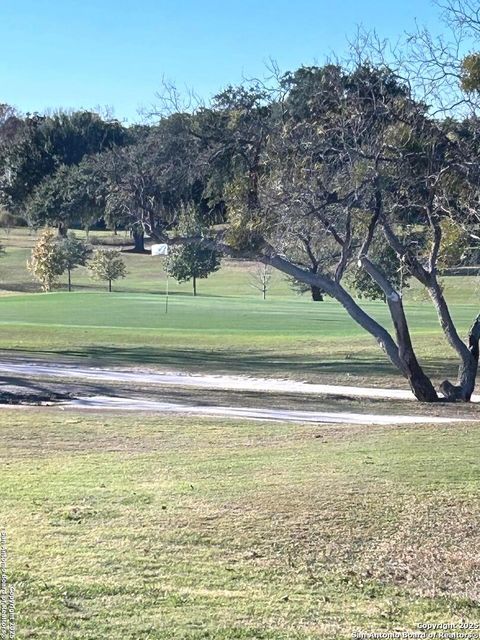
{"x": 187, "y": 528}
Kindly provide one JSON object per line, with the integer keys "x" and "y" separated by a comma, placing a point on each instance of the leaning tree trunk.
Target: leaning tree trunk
{"x": 336, "y": 291}
{"x": 467, "y": 372}
{"x": 317, "y": 294}
{"x": 468, "y": 353}
{"x": 420, "y": 384}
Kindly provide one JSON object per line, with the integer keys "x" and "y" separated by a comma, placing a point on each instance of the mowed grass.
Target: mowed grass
{"x": 163, "y": 528}
{"x": 227, "y": 328}
{"x": 223, "y": 334}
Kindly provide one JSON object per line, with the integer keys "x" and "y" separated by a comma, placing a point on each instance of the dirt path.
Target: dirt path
{"x": 282, "y": 415}
{"x": 122, "y": 400}
{"x": 205, "y": 381}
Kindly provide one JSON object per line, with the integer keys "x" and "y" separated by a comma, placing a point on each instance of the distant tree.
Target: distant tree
{"x": 107, "y": 265}
{"x": 261, "y": 279}
{"x": 75, "y": 252}
{"x": 147, "y": 183}
{"x": 191, "y": 262}
{"x": 300, "y": 288}
{"x": 72, "y": 195}
{"x": 47, "y": 261}
{"x": 47, "y": 143}
{"x": 196, "y": 259}
{"x": 7, "y": 220}
{"x": 10, "y": 124}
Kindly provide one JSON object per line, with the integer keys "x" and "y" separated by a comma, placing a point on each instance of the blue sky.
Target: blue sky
{"x": 89, "y": 53}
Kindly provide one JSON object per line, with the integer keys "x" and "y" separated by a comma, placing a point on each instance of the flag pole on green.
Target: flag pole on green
{"x": 161, "y": 250}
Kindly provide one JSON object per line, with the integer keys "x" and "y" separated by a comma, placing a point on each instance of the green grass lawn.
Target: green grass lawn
{"x": 226, "y": 328}
{"x": 232, "y": 334}
{"x": 146, "y": 527}
{"x": 154, "y": 528}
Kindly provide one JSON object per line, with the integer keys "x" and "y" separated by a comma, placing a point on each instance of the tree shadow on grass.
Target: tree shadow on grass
{"x": 95, "y": 287}
{"x": 26, "y": 388}
{"x": 20, "y": 287}
{"x": 248, "y": 362}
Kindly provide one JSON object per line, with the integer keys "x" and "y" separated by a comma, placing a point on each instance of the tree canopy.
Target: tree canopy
{"x": 40, "y": 158}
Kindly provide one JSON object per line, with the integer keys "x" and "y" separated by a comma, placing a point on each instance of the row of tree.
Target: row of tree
{"x": 356, "y": 174}
{"x": 53, "y": 256}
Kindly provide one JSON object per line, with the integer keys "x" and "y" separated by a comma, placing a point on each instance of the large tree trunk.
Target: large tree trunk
{"x": 467, "y": 374}
{"x": 194, "y": 285}
{"x": 317, "y": 295}
{"x": 139, "y": 240}
{"x": 69, "y": 279}
{"x": 468, "y": 353}
{"x": 420, "y": 383}
{"x": 62, "y": 229}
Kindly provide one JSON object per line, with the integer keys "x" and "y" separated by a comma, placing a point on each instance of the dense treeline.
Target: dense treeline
{"x": 333, "y": 175}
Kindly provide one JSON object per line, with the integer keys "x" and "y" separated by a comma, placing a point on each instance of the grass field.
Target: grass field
{"x": 162, "y": 528}
{"x": 155, "y": 528}
{"x": 226, "y": 328}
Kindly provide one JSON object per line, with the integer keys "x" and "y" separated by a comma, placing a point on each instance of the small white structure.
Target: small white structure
{"x": 162, "y": 250}
{"x": 159, "y": 249}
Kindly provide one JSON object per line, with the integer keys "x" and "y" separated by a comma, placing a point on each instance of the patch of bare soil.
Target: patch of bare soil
{"x": 435, "y": 549}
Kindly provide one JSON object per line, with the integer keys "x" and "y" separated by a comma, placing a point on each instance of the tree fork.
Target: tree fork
{"x": 420, "y": 384}
{"x": 468, "y": 354}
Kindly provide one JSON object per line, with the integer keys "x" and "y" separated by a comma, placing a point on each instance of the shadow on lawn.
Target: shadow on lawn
{"x": 247, "y": 362}
{"x": 154, "y": 290}
{"x": 20, "y": 287}
{"x": 27, "y": 387}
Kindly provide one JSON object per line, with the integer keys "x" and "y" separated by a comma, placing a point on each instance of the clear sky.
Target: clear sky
{"x": 89, "y": 53}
